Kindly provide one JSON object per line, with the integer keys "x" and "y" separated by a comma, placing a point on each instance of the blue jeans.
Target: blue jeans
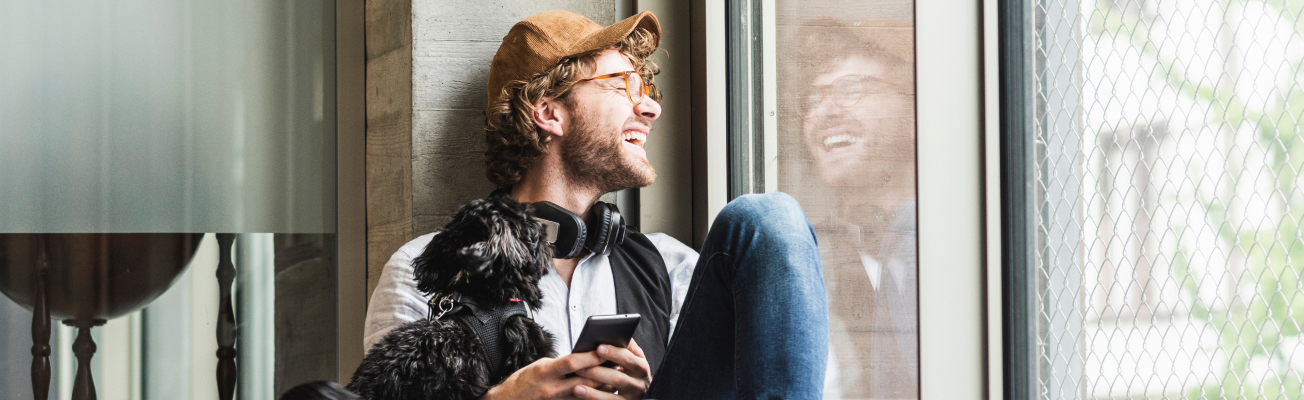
{"x": 755, "y": 323}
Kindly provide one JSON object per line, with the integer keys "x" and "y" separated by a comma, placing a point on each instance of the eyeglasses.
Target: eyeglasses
{"x": 849, "y": 90}
{"x": 635, "y": 88}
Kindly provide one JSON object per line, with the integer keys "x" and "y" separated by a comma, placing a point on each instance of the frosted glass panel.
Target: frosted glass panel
{"x": 176, "y": 116}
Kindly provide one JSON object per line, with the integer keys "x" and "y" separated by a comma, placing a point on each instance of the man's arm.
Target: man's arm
{"x": 396, "y": 300}
{"x": 545, "y": 378}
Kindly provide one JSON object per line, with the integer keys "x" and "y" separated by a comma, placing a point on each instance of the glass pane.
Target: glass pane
{"x": 1168, "y": 240}
{"x": 846, "y": 151}
{"x": 130, "y": 133}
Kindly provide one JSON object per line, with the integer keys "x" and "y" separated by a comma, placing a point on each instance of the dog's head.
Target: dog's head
{"x": 492, "y": 249}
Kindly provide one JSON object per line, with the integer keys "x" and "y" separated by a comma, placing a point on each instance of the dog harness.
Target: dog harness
{"x": 485, "y": 320}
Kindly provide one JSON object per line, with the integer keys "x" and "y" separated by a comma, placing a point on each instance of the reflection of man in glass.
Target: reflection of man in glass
{"x": 858, "y": 127}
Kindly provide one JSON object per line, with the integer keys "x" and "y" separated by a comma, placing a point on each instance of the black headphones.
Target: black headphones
{"x": 570, "y": 235}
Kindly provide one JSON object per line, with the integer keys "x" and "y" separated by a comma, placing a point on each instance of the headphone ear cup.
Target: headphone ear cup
{"x": 618, "y": 228}
{"x": 571, "y": 232}
{"x": 600, "y": 219}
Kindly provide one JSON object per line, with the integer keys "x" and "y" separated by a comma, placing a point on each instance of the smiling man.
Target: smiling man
{"x": 857, "y": 113}
{"x": 571, "y": 104}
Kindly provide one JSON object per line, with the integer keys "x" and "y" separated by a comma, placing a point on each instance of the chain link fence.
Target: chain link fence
{"x": 1169, "y": 240}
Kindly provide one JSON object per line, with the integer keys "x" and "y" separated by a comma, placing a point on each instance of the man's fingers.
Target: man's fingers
{"x": 588, "y": 392}
{"x": 633, "y": 348}
{"x": 609, "y": 376}
{"x": 635, "y": 365}
{"x": 580, "y": 380}
{"x": 574, "y": 362}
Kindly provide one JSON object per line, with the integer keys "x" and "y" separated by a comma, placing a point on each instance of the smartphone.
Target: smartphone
{"x": 615, "y": 330}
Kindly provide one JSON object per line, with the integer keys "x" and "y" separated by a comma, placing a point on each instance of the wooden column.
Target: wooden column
{"x": 83, "y": 387}
{"x": 226, "y": 369}
{"x": 40, "y": 328}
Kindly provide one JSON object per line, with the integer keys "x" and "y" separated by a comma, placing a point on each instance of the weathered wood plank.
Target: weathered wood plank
{"x": 389, "y": 133}
{"x": 389, "y": 26}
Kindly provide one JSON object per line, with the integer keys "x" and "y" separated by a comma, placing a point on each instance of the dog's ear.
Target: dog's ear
{"x": 526, "y": 254}
{"x": 476, "y": 258}
{"x": 435, "y": 269}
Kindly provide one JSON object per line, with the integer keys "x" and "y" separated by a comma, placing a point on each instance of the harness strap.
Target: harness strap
{"x": 487, "y": 322}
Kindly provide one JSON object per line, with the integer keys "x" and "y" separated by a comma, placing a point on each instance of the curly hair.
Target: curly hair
{"x": 513, "y": 143}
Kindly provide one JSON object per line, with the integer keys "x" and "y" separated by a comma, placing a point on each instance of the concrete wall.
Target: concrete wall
{"x": 427, "y": 68}
{"x": 453, "y": 43}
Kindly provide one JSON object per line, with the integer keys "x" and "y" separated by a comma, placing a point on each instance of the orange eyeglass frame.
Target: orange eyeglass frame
{"x": 648, "y": 89}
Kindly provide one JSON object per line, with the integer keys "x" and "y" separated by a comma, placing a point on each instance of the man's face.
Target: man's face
{"x": 606, "y": 133}
{"x": 859, "y": 122}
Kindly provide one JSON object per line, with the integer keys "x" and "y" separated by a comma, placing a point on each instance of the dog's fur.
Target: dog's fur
{"x": 494, "y": 251}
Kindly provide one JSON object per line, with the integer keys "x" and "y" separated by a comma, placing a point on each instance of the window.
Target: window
{"x": 181, "y": 119}
{"x": 821, "y": 105}
{"x": 1158, "y": 251}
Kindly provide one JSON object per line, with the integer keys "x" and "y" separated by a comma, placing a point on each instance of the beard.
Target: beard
{"x": 593, "y": 156}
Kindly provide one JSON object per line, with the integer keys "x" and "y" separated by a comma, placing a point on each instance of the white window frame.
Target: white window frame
{"x": 958, "y": 187}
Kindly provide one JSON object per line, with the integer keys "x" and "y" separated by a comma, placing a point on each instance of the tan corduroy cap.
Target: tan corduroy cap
{"x": 542, "y": 40}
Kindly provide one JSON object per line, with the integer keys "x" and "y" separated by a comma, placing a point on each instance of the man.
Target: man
{"x": 855, "y": 86}
{"x": 570, "y": 105}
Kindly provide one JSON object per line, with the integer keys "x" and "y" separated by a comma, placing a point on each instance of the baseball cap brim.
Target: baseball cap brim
{"x": 609, "y": 36}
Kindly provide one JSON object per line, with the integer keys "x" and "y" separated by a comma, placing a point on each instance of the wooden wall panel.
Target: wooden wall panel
{"x": 389, "y": 132}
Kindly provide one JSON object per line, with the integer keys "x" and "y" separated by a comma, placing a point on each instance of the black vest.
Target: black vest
{"x": 643, "y": 287}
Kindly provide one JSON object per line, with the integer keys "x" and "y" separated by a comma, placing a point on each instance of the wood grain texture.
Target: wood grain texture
{"x": 389, "y": 26}
{"x": 389, "y": 132}
{"x": 40, "y": 330}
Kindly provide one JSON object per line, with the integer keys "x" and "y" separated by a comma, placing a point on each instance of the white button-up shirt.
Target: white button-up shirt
{"x": 592, "y": 291}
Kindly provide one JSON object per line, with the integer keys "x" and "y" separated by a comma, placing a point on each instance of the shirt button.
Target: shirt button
{"x": 575, "y": 307}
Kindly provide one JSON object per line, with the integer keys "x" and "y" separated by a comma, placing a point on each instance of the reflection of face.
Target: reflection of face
{"x": 604, "y": 146}
{"x": 860, "y": 143}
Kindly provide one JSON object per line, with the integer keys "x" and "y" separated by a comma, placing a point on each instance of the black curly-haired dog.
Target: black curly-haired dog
{"x": 492, "y": 254}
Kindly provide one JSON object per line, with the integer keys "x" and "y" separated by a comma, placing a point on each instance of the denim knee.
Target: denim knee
{"x": 773, "y": 220}
{"x": 775, "y": 245}
{"x": 777, "y": 212}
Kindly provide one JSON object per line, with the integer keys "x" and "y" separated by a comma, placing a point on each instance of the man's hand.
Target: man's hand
{"x": 629, "y": 379}
{"x": 545, "y": 378}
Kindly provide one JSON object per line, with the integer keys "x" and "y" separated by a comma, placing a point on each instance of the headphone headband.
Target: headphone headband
{"x": 570, "y": 235}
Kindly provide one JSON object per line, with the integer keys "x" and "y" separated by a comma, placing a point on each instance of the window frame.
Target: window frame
{"x": 1017, "y": 220}
{"x": 959, "y": 293}
{"x": 351, "y": 188}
